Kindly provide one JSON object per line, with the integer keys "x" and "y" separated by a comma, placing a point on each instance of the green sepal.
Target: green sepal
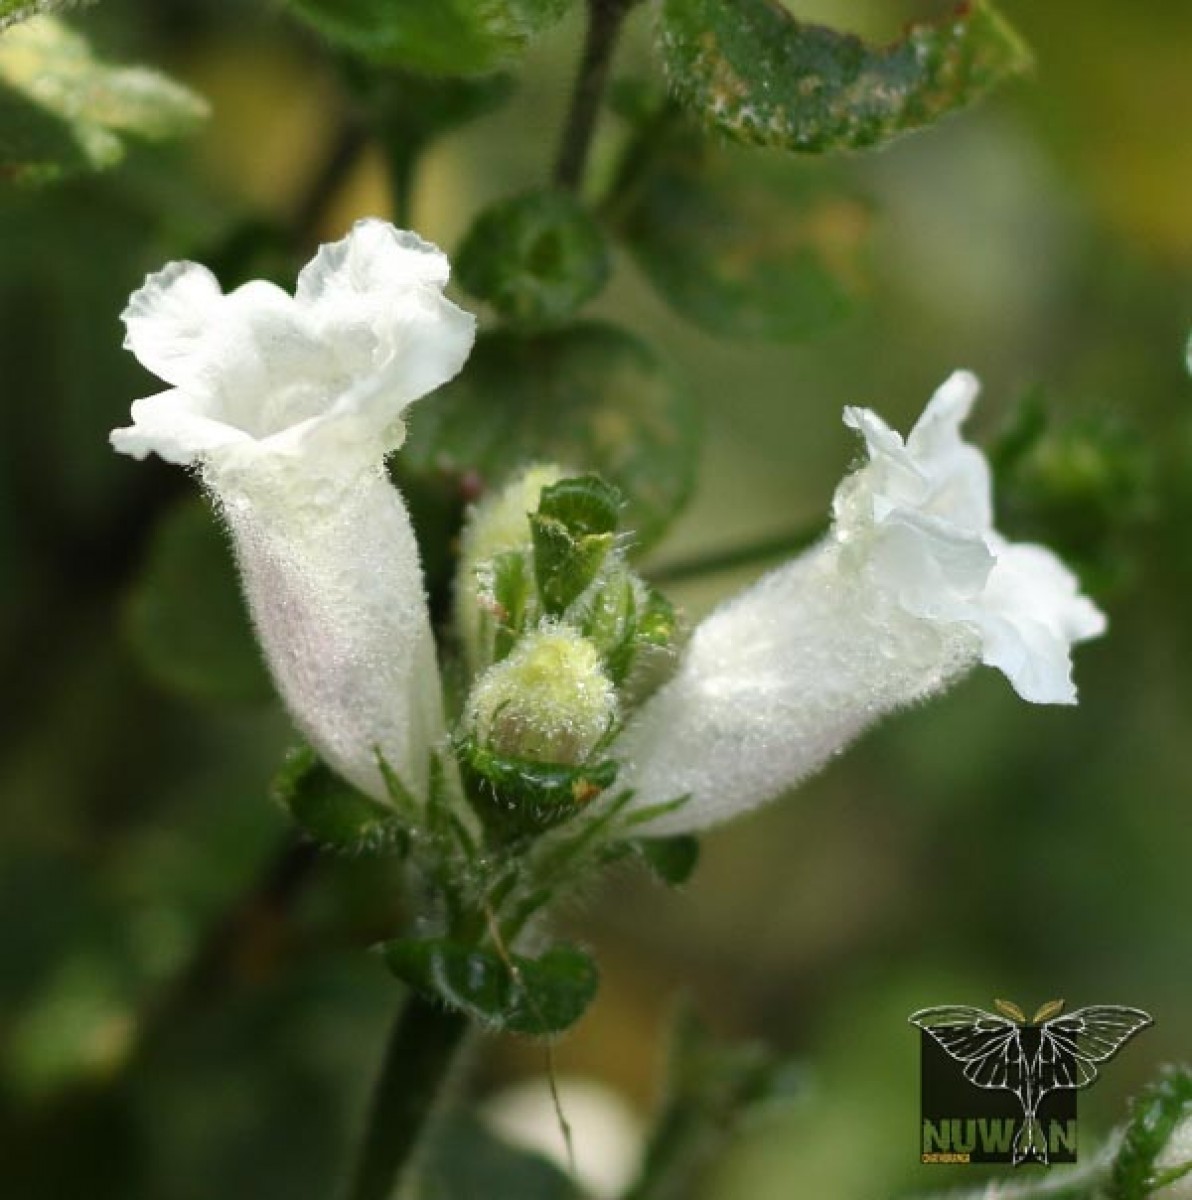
{"x": 611, "y": 623}
{"x": 536, "y": 258}
{"x": 751, "y": 70}
{"x": 1154, "y": 1115}
{"x": 573, "y": 531}
{"x": 332, "y": 812}
{"x": 519, "y": 797}
{"x": 512, "y": 596}
{"x": 672, "y": 859}
{"x": 536, "y": 996}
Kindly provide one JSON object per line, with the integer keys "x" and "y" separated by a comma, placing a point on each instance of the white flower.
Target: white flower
{"x": 287, "y": 406}
{"x": 912, "y": 587}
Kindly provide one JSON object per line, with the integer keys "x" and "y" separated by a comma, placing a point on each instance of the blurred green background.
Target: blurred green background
{"x": 973, "y": 848}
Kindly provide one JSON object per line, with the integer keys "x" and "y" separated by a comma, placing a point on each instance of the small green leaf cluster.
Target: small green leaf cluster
{"x": 557, "y": 636}
{"x": 556, "y": 632}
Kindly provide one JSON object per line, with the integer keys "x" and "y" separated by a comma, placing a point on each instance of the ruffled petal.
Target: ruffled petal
{"x": 173, "y": 426}
{"x": 1032, "y": 614}
{"x": 168, "y": 320}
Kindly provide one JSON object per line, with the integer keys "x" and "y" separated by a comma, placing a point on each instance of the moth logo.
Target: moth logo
{"x": 997, "y": 1087}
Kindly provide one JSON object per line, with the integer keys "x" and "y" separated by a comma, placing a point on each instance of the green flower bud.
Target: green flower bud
{"x": 549, "y": 700}
{"x": 498, "y": 525}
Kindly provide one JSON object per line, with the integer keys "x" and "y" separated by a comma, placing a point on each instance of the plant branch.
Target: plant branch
{"x": 605, "y": 18}
{"x": 423, "y": 1047}
{"x": 779, "y": 546}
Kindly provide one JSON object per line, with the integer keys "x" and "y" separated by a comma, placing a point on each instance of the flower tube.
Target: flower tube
{"x": 287, "y": 406}
{"x": 910, "y": 589}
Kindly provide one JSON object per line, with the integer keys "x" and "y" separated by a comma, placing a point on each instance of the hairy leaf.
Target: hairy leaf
{"x": 753, "y": 71}
{"x": 331, "y": 811}
{"x": 536, "y": 996}
{"x": 536, "y": 258}
{"x": 589, "y": 397}
{"x": 739, "y": 245}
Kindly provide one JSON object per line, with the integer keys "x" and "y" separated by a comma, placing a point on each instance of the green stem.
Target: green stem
{"x": 605, "y": 18}
{"x": 423, "y": 1046}
{"x": 779, "y": 546}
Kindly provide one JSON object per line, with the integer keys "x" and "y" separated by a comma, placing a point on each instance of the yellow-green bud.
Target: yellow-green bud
{"x": 549, "y": 700}
{"x": 497, "y": 524}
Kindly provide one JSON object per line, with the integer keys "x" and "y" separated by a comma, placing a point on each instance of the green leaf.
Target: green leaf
{"x": 536, "y": 258}
{"x": 63, "y": 111}
{"x": 742, "y": 246}
{"x": 331, "y": 811}
{"x": 713, "y": 1090}
{"x": 464, "y": 1161}
{"x": 751, "y": 70}
{"x": 440, "y": 37}
{"x": 185, "y": 619}
{"x": 1154, "y": 1115}
{"x": 536, "y": 996}
{"x": 672, "y": 859}
{"x": 573, "y": 531}
{"x": 590, "y": 397}
{"x": 12, "y": 11}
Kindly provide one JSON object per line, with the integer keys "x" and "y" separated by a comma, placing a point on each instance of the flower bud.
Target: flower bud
{"x": 549, "y": 700}
{"x": 497, "y": 525}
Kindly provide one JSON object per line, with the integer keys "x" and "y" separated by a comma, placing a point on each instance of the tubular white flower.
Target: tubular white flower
{"x": 287, "y": 406}
{"x": 912, "y": 587}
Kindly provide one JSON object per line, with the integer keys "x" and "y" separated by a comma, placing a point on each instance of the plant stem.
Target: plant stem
{"x": 605, "y": 18}
{"x": 779, "y": 546}
{"x": 423, "y": 1046}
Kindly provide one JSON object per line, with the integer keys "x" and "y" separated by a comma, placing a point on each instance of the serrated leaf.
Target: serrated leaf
{"x": 1009, "y": 1009}
{"x": 1154, "y": 1115}
{"x": 535, "y": 258}
{"x": 62, "y": 110}
{"x": 589, "y": 397}
{"x": 1052, "y": 1008}
{"x": 185, "y": 620}
{"x": 672, "y": 859}
{"x": 331, "y": 811}
{"x": 440, "y": 37}
{"x": 751, "y": 70}
{"x": 573, "y": 532}
{"x": 743, "y": 247}
{"x": 536, "y": 996}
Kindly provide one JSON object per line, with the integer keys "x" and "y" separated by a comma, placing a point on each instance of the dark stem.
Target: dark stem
{"x": 423, "y": 1047}
{"x": 605, "y": 18}
{"x": 343, "y": 154}
{"x": 752, "y": 553}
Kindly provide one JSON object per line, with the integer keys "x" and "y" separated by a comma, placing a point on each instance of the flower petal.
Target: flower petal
{"x": 173, "y": 426}
{"x": 168, "y": 320}
{"x": 1032, "y": 614}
